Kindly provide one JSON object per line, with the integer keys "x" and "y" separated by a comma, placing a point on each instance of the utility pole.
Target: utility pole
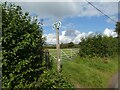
{"x": 56, "y": 27}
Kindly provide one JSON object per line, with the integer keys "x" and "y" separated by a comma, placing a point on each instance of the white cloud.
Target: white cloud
{"x": 68, "y": 9}
{"x": 53, "y": 10}
{"x": 65, "y": 39}
{"x": 67, "y": 36}
{"x": 50, "y": 38}
{"x": 109, "y": 32}
{"x": 60, "y": 0}
{"x": 76, "y": 36}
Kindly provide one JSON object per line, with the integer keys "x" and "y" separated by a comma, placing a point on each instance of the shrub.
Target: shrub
{"x": 51, "y": 79}
{"x": 22, "y": 47}
{"x": 23, "y": 60}
{"x": 98, "y": 45}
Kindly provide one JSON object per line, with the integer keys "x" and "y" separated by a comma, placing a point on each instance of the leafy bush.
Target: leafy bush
{"x": 22, "y": 47}
{"x": 23, "y": 60}
{"x": 51, "y": 79}
{"x": 98, "y": 45}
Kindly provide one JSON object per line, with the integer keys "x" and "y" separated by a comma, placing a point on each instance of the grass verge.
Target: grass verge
{"x": 90, "y": 72}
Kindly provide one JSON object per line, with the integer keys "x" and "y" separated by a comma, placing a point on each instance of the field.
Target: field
{"x": 87, "y": 72}
{"x": 66, "y": 54}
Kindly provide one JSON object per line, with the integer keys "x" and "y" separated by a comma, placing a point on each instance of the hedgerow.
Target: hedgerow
{"x": 98, "y": 45}
{"x": 22, "y": 47}
{"x": 23, "y": 62}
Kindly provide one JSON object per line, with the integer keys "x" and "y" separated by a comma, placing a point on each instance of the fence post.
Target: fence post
{"x": 47, "y": 59}
{"x": 61, "y": 55}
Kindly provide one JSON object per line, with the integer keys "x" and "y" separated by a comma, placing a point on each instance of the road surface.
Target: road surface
{"x": 114, "y": 81}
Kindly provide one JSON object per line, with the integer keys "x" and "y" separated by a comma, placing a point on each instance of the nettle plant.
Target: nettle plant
{"x": 22, "y": 47}
{"x": 98, "y": 45}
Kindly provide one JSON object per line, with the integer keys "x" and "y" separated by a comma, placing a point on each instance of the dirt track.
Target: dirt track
{"x": 113, "y": 83}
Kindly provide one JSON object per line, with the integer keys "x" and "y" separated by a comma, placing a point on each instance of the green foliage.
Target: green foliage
{"x": 62, "y": 45}
{"x": 98, "y": 45}
{"x": 70, "y": 45}
{"x": 51, "y": 79}
{"x": 50, "y": 46}
{"x": 22, "y": 48}
{"x": 0, "y": 45}
{"x": 24, "y": 65}
{"x": 0, "y": 24}
{"x": 118, "y": 29}
{"x": 90, "y": 72}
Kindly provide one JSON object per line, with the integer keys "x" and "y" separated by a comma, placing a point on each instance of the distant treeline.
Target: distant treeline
{"x": 63, "y": 45}
{"x": 99, "y": 46}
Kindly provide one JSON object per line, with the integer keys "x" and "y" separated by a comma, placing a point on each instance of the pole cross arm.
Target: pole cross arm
{"x": 57, "y": 25}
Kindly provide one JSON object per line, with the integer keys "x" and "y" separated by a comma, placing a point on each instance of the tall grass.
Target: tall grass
{"x": 90, "y": 72}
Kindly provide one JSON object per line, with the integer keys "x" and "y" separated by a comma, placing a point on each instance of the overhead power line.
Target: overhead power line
{"x": 101, "y": 11}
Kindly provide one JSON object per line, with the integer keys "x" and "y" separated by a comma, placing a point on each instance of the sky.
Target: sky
{"x": 78, "y": 19}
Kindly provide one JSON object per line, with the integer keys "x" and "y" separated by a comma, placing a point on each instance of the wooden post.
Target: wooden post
{"x": 58, "y": 51}
{"x": 56, "y": 27}
{"x": 47, "y": 59}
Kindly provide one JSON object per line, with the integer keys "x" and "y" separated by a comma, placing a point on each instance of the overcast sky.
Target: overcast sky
{"x": 79, "y": 19}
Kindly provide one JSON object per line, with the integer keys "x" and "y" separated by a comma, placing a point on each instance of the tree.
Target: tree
{"x": 118, "y": 32}
{"x": 22, "y": 48}
{"x": 71, "y": 44}
{"x": 118, "y": 29}
{"x": 98, "y": 45}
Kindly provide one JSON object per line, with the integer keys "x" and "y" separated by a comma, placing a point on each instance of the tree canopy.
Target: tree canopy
{"x": 22, "y": 47}
{"x": 23, "y": 59}
{"x": 118, "y": 29}
{"x": 99, "y": 46}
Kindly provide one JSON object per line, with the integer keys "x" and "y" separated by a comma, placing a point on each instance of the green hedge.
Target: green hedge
{"x": 23, "y": 60}
{"x": 98, "y": 45}
{"x": 50, "y": 79}
{"x": 22, "y": 47}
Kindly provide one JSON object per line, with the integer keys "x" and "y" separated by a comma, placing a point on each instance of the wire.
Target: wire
{"x": 101, "y": 11}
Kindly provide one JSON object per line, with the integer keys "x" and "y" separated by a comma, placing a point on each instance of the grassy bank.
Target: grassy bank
{"x": 90, "y": 72}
